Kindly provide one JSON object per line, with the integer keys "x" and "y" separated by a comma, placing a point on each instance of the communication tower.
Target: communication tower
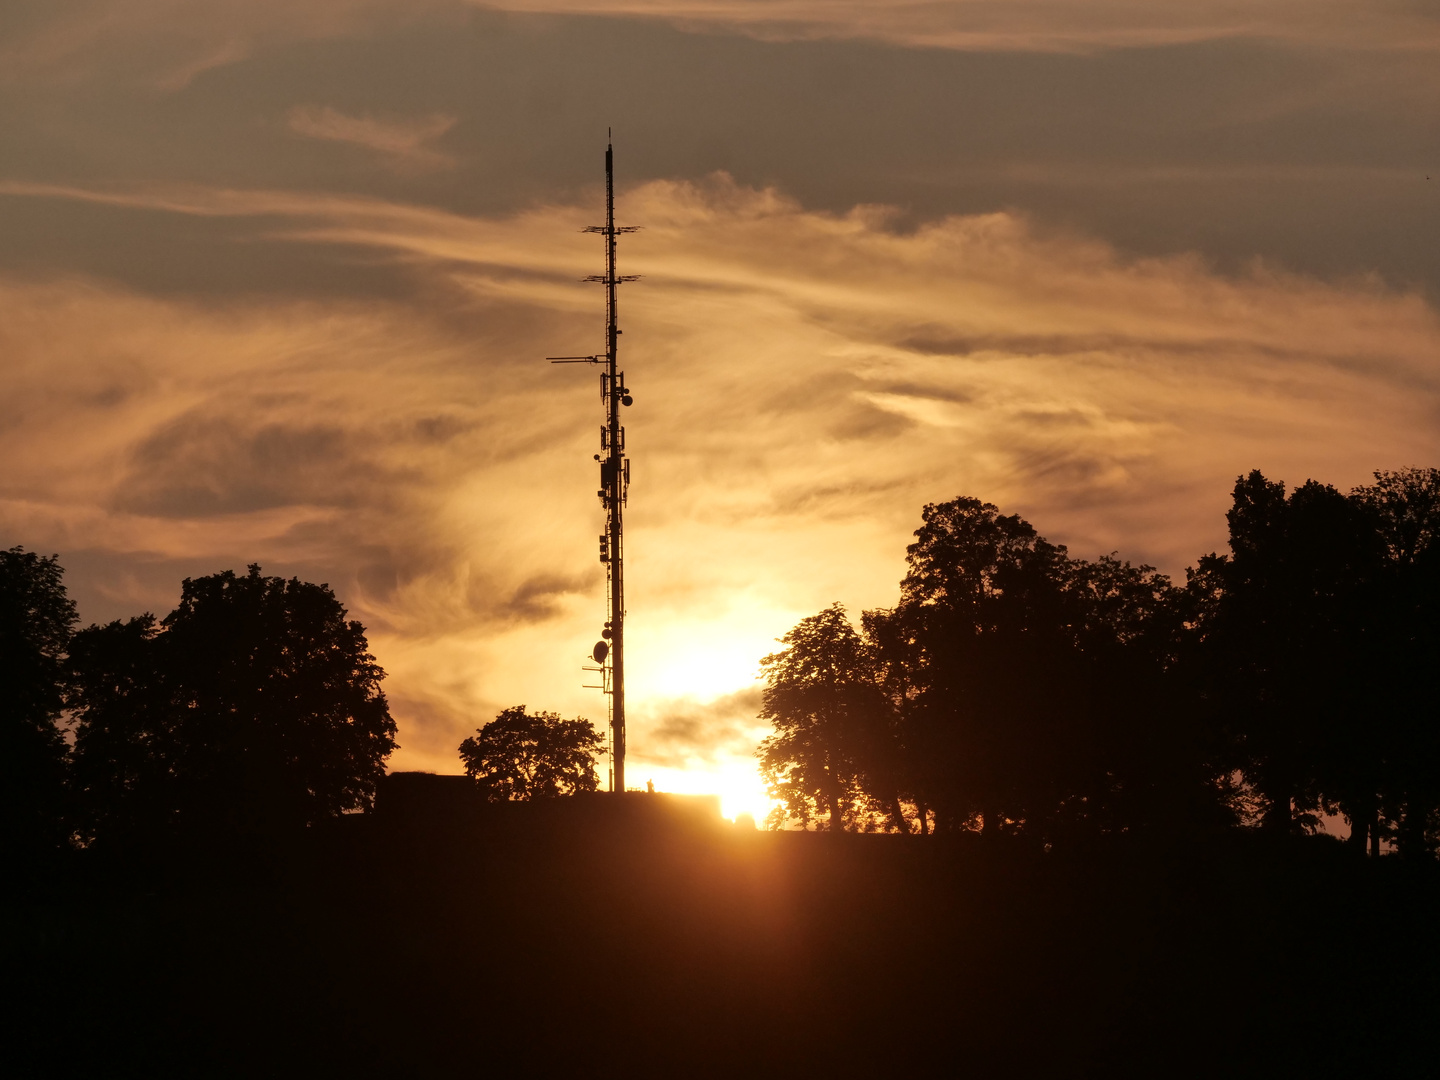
{"x": 609, "y": 652}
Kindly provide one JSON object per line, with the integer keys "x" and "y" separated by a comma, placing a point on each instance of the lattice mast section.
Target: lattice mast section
{"x": 614, "y": 481}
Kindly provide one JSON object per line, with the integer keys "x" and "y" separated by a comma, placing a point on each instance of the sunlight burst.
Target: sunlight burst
{"x": 736, "y": 782}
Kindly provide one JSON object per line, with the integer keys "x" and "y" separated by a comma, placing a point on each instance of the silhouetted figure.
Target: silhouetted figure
{"x": 254, "y": 707}
{"x": 519, "y": 756}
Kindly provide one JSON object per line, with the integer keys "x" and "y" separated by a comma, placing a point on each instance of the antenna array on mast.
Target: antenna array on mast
{"x": 609, "y": 653}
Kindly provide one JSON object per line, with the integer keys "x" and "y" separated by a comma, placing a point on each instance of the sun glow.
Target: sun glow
{"x": 704, "y": 658}
{"x": 784, "y": 467}
{"x": 737, "y": 783}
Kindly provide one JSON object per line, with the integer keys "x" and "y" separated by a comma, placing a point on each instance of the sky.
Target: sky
{"x": 277, "y": 281}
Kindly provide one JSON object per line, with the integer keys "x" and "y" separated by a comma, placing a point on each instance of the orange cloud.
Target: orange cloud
{"x": 1047, "y": 25}
{"x": 804, "y": 382}
{"x": 167, "y": 43}
{"x": 403, "y": 138}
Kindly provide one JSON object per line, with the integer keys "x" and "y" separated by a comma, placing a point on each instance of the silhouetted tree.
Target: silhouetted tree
{"x": 1026, "y": 690}
{"x": 520, "y": 755}
{"x": 255, "y": 706}
{"x": 981, "y": 629}
{"x": 1406, "y": 504}
{"x": 831, "y": 753}
{"x": 1391, "y": 769}
{"x": 124, "y": 771}
{"x": 1014, "y": 688}
{"x": 1147, "y": 760}
{"x": 1292, "y": 645}
{"x": 36, "y": 617}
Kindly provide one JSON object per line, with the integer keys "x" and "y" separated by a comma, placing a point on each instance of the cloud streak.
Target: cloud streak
{"x": 804, "y": 382}
{"x": 1041, "y": 25}
{"x": 405, "y": 139}
{"x": 168, "y": 43}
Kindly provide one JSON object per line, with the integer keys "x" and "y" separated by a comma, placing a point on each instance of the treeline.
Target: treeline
{"x": 252, "y": 709}
{"x": 1016, "y": 689}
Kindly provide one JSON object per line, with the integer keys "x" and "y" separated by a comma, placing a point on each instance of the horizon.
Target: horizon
{"x": 280, "y": 285}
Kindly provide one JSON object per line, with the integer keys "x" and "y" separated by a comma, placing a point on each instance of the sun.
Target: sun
{"x": 737, "y": 782}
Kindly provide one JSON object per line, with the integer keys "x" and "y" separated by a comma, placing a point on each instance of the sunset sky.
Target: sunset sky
{"x": 278, "y": 281}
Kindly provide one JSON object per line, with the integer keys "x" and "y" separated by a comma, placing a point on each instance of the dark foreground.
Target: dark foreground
{"x": 515, "y": 944}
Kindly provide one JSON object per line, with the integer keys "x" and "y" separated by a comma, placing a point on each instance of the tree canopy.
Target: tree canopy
{"x": 1015, "y": 688}
{"x": 1011, "y": 686}
{"x": 254, "y": 706}
{"x": 1011, "y": 689}
{"x": 830, "y": 719}
{"x": 520, "y": 756}
{"x": 36, "y": 617}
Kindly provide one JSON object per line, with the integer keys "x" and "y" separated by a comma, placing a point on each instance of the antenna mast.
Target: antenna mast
{"x": 614, "y": 481}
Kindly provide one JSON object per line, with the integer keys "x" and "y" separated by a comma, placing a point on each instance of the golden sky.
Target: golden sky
{"x": 278, "y": 281}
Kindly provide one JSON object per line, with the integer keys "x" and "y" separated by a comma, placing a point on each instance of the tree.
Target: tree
{"x": 1149, "y": 760}
{"x": 1014, "y": 688}
{"x": 981, "y": 628}
{"x": 829, "y": 754}
{"x": 36, "y": 617}
{"x": 254, "y": 707}
{"x": 1406, "y": 504}
{"x": 126, "y": 765}
{"x": 520, "y": 756}
{"x": 1292, "y": 648}
{"x": 1029, "y": 691}
{"x": 1405, "y": 681}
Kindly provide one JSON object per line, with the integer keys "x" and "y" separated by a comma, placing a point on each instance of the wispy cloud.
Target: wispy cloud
{"x": 1058, "y": 25}
{"x": 167, "y": 43}
{"x": 404, "y": 138}
{"x": 683, "y": 733}
{"x": 804, "y": 382}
